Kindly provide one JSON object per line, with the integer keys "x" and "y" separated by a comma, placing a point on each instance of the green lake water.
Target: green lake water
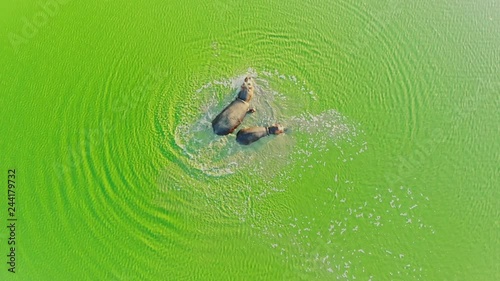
{"x": 389, "y": 170}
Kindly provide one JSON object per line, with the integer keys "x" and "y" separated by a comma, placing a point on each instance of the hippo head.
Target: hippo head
{"x": 247, "y": 89}
{"x": 276, "y": 129}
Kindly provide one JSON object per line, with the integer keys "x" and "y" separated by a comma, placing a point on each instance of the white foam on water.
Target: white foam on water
{"x": 216, "y": 155}
{"x": 326, "y": 252}
{"x": 307, "y": 133}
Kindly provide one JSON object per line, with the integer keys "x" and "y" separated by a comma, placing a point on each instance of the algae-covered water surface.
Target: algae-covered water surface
{"x": 388, "y": 168}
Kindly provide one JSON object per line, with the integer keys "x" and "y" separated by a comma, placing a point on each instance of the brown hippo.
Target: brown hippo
{"x": 249, "y": 135}
{"x": 232, "y": 116}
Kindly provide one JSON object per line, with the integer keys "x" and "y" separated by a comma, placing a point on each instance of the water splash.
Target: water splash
{"x": 306, "y": 132}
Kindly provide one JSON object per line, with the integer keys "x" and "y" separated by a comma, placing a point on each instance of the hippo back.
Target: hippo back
{"x": 230, "y": 118}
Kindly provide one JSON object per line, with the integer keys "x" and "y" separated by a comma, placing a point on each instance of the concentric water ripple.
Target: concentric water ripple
{"x": 107, "y": 112}
{"x": 118, "y": 197}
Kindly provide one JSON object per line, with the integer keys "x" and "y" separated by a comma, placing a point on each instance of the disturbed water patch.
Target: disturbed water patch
{"x": 337, "y": 241}
{"x": 307, "y": 133}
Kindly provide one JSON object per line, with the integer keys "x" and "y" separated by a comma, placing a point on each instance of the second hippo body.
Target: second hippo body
{"x": 249, "y": 135}
{"x": 232, "y": 116}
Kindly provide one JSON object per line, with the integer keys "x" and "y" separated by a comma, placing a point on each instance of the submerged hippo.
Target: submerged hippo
{"x": 248, "y": 135}
{"x": 232, "y": 116}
